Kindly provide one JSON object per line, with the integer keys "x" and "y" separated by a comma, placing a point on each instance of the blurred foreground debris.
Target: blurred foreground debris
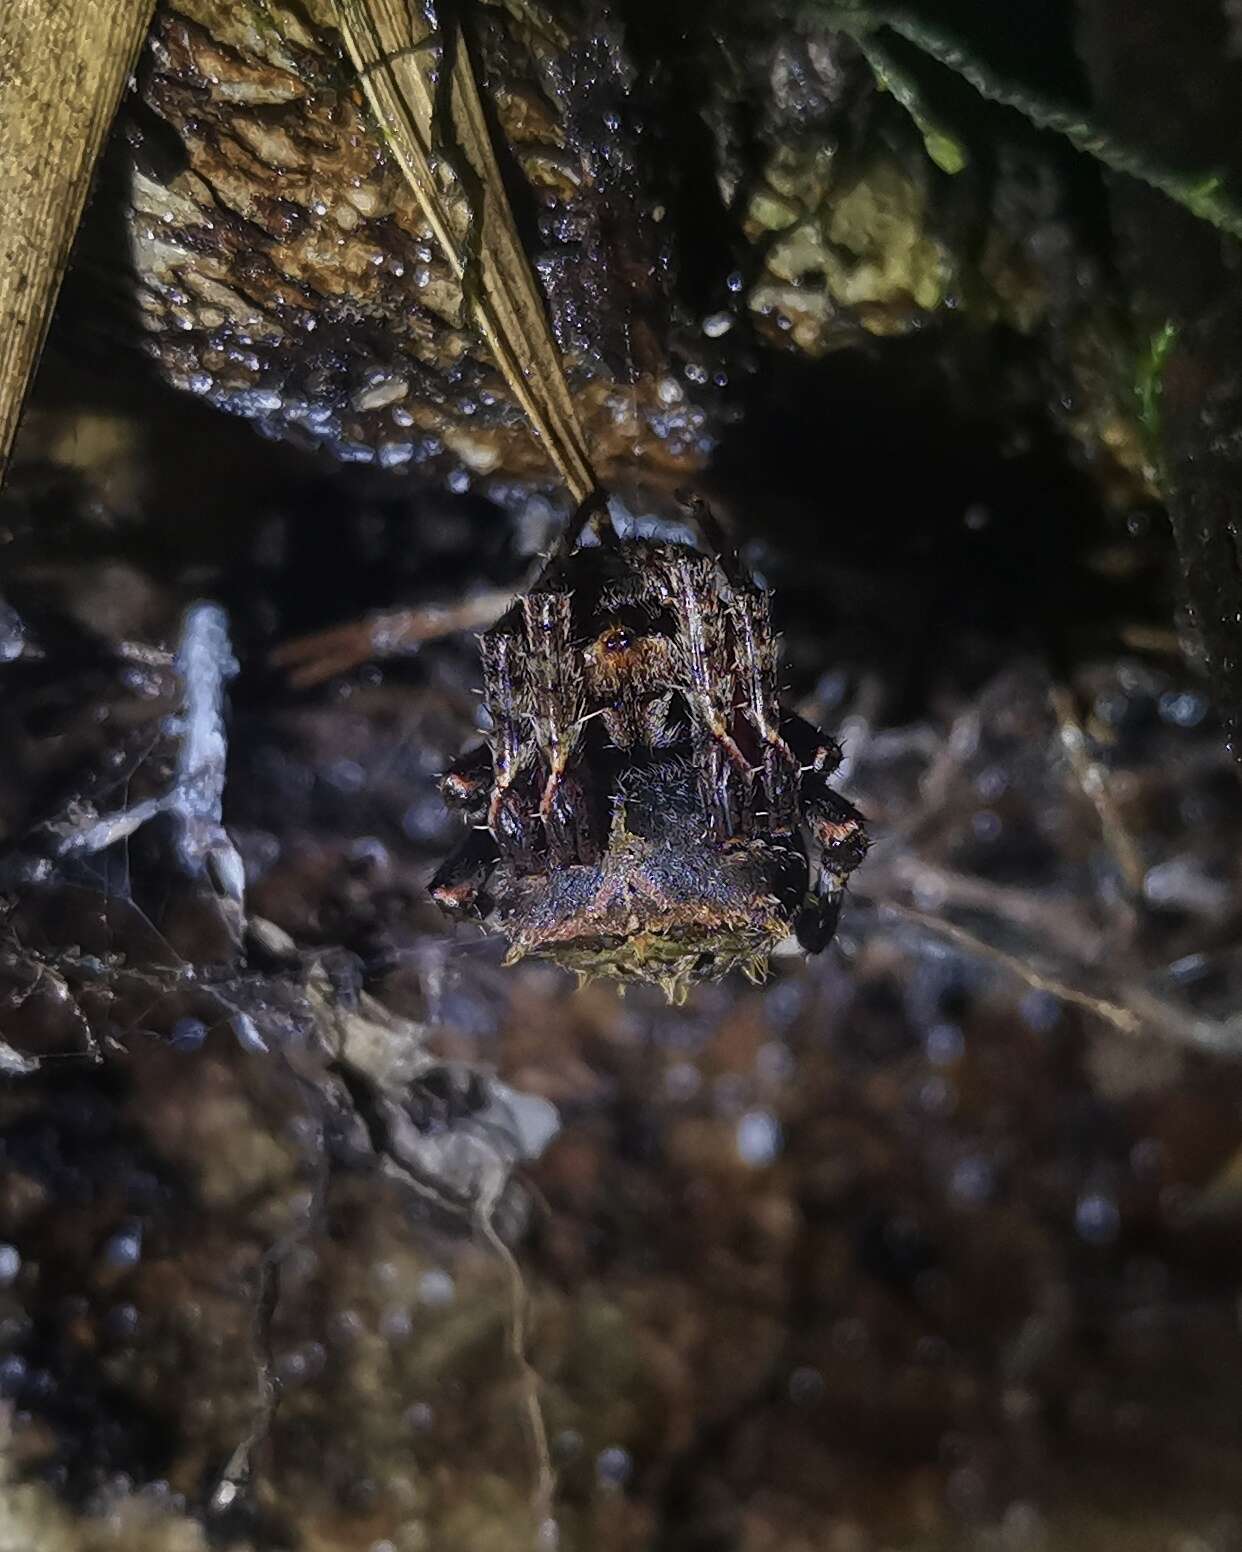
{"x": 62, "y": 71}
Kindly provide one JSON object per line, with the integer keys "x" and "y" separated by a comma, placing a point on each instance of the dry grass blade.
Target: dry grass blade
{"x": 438, "y": 133}
{"x": 62, "y": 70}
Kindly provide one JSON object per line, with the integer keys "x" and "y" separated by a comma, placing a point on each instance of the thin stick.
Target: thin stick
{"x": 324, "y": 654}
{"x": 63, "y": 68}
{"x": 1053, "y": 921}
{"x": 391, "y": 632}
{"x": 204, "y": 664}
{"x": 1093, "y": 779}
{"x": 1114, "y": 1013}
{"x": 1132, "y": 1010}
{"x": 519, "y": 1305}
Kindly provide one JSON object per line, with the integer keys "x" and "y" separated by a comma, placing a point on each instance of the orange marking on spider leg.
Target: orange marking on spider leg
{"x": 461, "y": 789}
{"x": 837, "y": 830}
{"x": 456, "y": 899}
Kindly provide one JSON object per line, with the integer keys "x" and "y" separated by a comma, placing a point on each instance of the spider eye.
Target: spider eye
{"x": 617, "y": 642}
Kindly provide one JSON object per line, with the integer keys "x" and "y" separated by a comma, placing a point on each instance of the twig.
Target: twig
{"x": 944, "y": 147}
{"x": 1130, "y": 1009}
{"x": 84, "y": 837}
{"x": 1202, "y": 192}
{"x": 320, "y": 656}
{"x": 195, "y": 800}
{"x": 1111, "y": 1012}
{"x": 517, "y": 1327}
{"x": 205, "y": 663}
{"x": 1155, "y": 639}
{"x": 1054, "y": 920}
{"x": 15, "y": 1063}
{"x": 937, "y": 781}
{"x": 469, "y": 1177}
{"x": 236, "y": 1476}
{"x": 315, "y": 658}
{"x": 1093, "y": 779}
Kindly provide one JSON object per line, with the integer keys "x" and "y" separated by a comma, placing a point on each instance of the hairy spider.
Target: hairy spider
{"x": 644, "y": 807}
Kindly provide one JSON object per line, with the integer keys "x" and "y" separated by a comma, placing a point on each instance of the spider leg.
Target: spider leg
{"x": 838, "y": 829}
{"x": 592, "y": 507}
{"x": 815, "y": 751}
{"x": 836, "y": 826}
{"x": 587, "y": 514}
{"x": 788, "y": 743}
{"x": 468, "y": 781}
{"x": 505, "y": 692}
{"x": 559, "y": 703}
{"x": 568, "y": 813}
{"x": 712, "y": 531}
{"x": 458, "y": 885}
{"x": 759, "y": 662}
{"x": 708, "y": 684}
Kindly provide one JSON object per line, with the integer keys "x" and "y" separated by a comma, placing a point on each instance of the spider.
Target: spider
{"x": 644, "y": 807}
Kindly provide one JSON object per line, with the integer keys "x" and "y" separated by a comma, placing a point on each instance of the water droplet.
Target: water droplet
{"x": 971, "y": 1182}
{"x": 124, "y": 1249}
{"x": 985, "y": 824}
{"x": 806, "y": 1386}
{"x": 419, "y": 1417}
{"x": 1182, "y": 708}
{"x": 613, "y": 1466}
{"x": 944, "y": 1045}
{"x": 682, "y": 1081}
{"x": 12, "y": 1374}
{"x": 346, "y": 776}
{"x": 758, "y": 1138}
{"x": 1097, "y": 1219}
{"x": 10, "y": 1264}
{"x": 436, "y": 1289}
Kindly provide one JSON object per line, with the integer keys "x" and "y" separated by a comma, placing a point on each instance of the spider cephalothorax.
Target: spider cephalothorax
{"x": 644, "y": 807}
